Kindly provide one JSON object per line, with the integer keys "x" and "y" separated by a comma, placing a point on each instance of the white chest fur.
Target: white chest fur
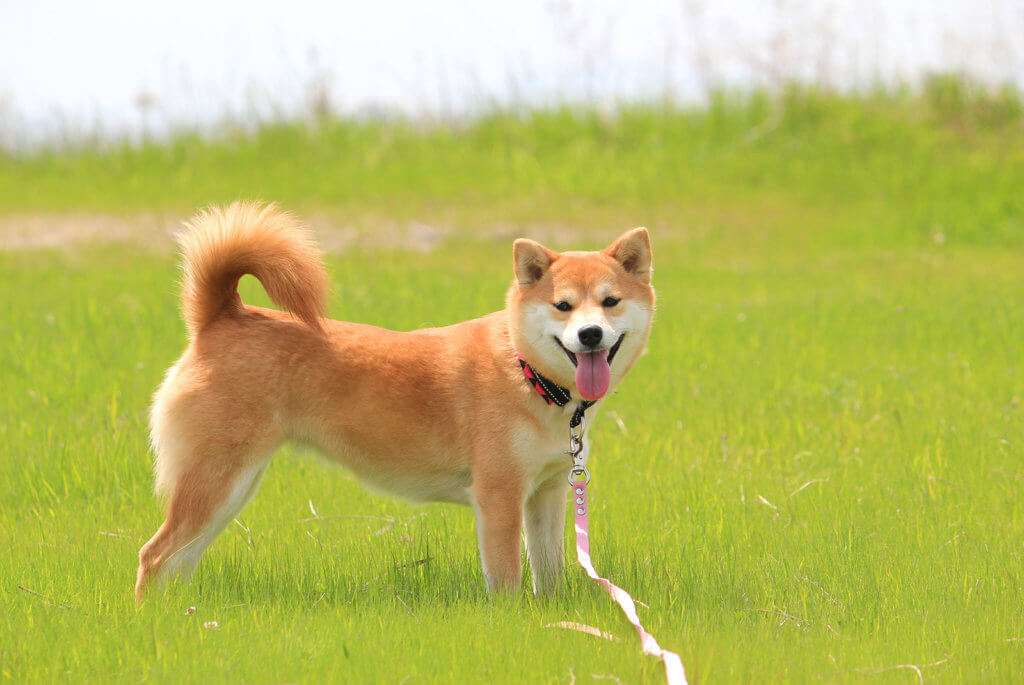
{"x": 543, "y": 454}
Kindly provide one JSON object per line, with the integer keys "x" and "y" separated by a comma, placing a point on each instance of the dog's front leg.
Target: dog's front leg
{"x": 499, "y": 510}
{"x": 545, "y": 529}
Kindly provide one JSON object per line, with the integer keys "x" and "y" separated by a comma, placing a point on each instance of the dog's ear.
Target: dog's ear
{"x": 632, "y": 250}
{"x": 531, "y": 260}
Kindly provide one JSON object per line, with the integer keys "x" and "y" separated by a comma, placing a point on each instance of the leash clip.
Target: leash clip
{"x": 579, "y": 471}
{"x": 579, "y": 460}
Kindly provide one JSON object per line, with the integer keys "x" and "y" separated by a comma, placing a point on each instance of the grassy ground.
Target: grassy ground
{"x": 879, "y": 169}
{"x": 814, "y": 474}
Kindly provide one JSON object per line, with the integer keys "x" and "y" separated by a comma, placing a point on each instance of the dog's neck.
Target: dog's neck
{"x": 552, "y": 392}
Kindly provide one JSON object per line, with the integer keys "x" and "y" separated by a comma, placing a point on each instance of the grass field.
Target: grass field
{"x": 814, "y": 475}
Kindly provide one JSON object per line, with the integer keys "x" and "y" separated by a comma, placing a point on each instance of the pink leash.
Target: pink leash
{"x": 674, "y": 673}
{"x": 556, "y": 394}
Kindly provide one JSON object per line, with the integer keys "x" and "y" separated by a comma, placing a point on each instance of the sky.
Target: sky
{"x": 120, "y": 68}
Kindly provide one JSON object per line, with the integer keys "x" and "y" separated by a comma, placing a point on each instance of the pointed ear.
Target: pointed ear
{"x": 531, "y": 260}
{"x": 632, "y": 250}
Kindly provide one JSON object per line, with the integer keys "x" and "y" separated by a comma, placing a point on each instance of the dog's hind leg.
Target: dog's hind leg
{"x": 204, "y": 498}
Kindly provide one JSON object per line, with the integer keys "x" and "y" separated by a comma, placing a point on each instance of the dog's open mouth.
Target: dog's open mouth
{"x": 593, "y": 369}
{"x": 612, "y": 351}
{"x": 568, "y": 353}
{"x": 615, "y": 348}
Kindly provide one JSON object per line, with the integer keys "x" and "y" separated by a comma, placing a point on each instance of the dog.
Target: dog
{"x": 439, "y": 414}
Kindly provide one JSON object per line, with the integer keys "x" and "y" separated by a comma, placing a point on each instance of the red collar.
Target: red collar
{"x": 552, "y": 392}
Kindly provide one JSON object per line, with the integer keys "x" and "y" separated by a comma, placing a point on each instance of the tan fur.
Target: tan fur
{"x": 219, "y": 246}
{"x": 433, "y": 414}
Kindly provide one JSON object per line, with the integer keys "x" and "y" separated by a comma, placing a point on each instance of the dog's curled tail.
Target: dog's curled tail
{"x": 220, "y": 245}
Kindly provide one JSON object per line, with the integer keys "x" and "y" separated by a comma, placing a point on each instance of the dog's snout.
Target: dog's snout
{"x": 590, "y": 336}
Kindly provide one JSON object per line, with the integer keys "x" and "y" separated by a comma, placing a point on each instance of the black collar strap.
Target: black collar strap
{"x": 553, "y": 393}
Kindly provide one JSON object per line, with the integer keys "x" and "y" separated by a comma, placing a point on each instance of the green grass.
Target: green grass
{"x": 881, "y": 169}
{"x": 818, "y": 472}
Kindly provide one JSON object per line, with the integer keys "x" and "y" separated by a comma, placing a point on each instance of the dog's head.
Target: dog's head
{"x": 582, "y": 318}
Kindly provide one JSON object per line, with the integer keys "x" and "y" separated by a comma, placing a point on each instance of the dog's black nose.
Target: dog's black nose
{"x": 590, "y": 336}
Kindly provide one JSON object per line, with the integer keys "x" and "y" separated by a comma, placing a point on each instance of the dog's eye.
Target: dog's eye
{"x": 610, "y": 301}
{"x": 563, "y": 306}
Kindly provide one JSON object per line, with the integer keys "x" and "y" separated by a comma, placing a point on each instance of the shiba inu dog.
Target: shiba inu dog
{"x": 439, "y": 414}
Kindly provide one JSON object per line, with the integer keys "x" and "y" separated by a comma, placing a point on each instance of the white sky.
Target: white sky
{"x": 73, "y": 67}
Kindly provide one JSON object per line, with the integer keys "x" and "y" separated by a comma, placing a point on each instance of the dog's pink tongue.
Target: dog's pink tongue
{"x": 593, "y": 374}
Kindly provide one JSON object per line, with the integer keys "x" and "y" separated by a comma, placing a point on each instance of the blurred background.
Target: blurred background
{"x": 117, "y": 69}
{"x": 415, "y": 121}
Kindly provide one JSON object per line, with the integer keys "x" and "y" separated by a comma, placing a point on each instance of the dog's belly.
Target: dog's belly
{"x": 422, "y": 479}
{"x": 431, "y": 472}
{"x": 419, "y": 487}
